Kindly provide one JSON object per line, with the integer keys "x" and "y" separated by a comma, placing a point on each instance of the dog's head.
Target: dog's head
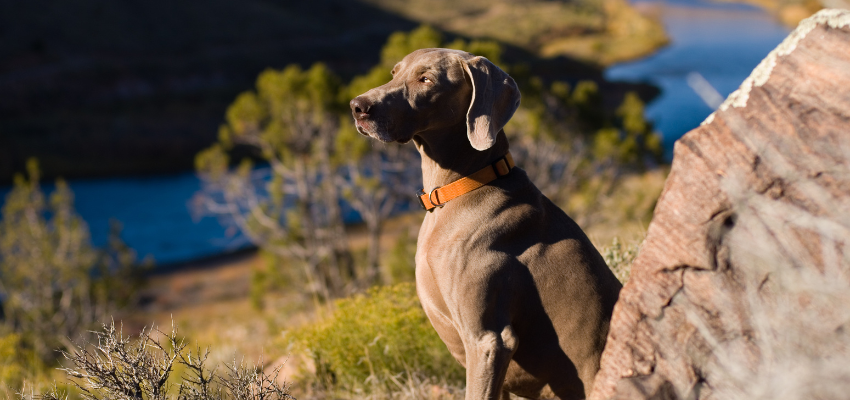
{"x": 435, "y": 89}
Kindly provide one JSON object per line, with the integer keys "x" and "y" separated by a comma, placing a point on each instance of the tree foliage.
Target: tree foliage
{"x": 289, "y": 121}
{"x": 574, "y": 149}
{"x": 297, "y": 122}
{"x": 53, "y": 282}
{"x": 18, "y": 363}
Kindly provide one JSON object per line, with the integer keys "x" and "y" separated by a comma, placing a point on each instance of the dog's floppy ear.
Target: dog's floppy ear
{"x": 495, "y": 97}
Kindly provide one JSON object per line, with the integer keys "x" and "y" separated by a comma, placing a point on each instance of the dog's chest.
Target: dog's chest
{"x": 440, "y": 251}
{"x": 436, "y": 282}
{"x": 438, "y": 307}
{"x": 432, "y": 280}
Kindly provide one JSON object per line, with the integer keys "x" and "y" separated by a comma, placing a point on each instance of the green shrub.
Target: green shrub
{"x": 55, "y": 284}
{"x": 22, "y": 371}
{"x": 373, "y": 339}
{"x": 400, "y": 261}
{"x": 14, "y": 361}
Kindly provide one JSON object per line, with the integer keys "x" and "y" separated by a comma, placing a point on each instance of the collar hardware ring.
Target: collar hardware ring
{"x": 438, "y": 199}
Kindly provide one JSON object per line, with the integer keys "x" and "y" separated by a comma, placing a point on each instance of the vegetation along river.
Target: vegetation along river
{"x": 720, "y": 42}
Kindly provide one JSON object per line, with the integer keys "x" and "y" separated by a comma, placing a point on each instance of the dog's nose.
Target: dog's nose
{"x": 360, "y": 107}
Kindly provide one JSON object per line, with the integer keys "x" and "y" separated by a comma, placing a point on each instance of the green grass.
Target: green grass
{"x": 373, "y": 342}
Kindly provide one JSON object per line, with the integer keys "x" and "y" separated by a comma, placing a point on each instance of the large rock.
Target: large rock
{"x": 742, "y": 287}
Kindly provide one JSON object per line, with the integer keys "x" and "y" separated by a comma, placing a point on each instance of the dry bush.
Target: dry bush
{"x": 619, "y": 257}
{"x": 115, "y": 366}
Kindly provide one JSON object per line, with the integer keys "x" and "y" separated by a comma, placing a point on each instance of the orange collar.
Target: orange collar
{"x": 441, "y": 195}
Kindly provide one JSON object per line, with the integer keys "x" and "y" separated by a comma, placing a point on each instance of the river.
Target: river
{"x": 721, "y": 42}
{"x": 155, "y": 214}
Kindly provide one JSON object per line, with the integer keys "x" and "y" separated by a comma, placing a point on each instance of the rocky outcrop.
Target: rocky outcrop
{"x": 742, "y": 287}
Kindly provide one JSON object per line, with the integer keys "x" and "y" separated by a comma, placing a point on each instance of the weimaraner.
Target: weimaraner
{"x": 512, "y": 285}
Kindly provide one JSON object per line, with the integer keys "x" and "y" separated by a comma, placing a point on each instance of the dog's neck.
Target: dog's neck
{"x": 448, "y": 156}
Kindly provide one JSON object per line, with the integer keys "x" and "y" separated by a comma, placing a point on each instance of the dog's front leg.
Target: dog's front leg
{"x": 487, "y": 359}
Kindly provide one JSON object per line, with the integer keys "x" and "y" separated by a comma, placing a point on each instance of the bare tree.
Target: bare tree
{"x": 290, "y": 208}
{"x": 377, "y": 179}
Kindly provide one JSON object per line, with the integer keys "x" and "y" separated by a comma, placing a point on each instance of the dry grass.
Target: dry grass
{"x": 625, "y": 213}
{"x": 403, "y": 387}
{"x": 210, "y": 301}
{"x": 619, "y": 256}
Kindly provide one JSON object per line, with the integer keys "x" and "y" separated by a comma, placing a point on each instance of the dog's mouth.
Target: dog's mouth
{"x": 360, "y": 127}
{"x": 370, "y": 128}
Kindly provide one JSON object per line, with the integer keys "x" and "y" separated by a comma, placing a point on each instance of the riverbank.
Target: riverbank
{"x": 719, "y": 43}
{"x": 791, "y": 12}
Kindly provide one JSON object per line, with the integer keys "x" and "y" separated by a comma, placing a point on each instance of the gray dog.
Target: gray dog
{"x": 512, "y": 285}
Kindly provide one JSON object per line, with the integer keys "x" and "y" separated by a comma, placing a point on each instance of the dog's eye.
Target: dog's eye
{"x": 424, "y": 79}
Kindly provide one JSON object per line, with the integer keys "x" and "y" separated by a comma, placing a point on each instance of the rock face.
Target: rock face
{"x": 742, "y": 287}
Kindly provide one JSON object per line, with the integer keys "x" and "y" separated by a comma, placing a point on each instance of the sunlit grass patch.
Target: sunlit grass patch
{"x": 378, "y": 344}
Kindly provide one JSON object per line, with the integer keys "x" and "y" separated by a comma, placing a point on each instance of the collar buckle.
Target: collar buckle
{"x": 431, "y": 196}
{"x": 437, "y": 198}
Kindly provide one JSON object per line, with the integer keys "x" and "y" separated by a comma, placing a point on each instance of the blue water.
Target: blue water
{"x": 154, "y": 212}
{"x": 722, "y": 42}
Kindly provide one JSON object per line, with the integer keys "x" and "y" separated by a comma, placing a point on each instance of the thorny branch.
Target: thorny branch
{"x": 116, "y": 367}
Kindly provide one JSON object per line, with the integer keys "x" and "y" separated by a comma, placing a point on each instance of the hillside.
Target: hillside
{"x": 597, "y": 31}
{"x": 109, "y": 88}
